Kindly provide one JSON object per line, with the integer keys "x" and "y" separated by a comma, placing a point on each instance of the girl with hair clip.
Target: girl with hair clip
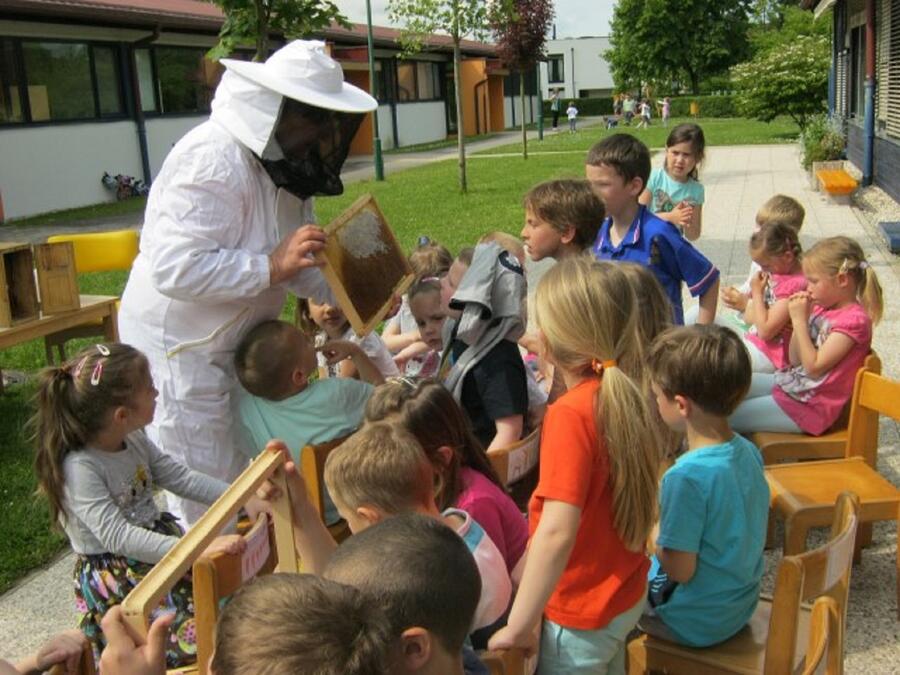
{"x": 597, "y": 490}
{"x": 776, "y": 249}
{"x": 98, "y": 471}
{"x": 674, "y": 191}
{"x": 832, "y": 335}
{"x": 464, "y": 477}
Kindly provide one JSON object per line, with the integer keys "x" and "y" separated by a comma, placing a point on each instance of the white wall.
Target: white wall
{"x": 532, "y": 103}
{"x": 46, "y": 168}
{"x": 591, "y": 69}
{"x": 385, "y": 127}
{"x": 421, "y": 122}
{"x": 163, "y": 133}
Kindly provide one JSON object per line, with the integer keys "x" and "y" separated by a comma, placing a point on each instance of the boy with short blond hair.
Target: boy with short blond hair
{"x": 561, "y": 218}
{"x": 618, "y": 168}
{"x": 714, "y": 501}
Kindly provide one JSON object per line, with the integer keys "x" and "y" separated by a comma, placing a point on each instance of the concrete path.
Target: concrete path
{"x": 738, "y": 180}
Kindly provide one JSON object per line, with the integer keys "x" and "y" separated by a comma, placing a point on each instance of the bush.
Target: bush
{"x": 602, "y": 105}
{"x": 821, "y": 141}
{"x": 710, "y": 106}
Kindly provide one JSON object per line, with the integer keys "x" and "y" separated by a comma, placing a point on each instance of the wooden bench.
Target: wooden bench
{"x": 836, "y": 182}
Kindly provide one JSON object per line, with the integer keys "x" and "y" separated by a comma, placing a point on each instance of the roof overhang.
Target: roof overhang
{"x": 822, "y": 7}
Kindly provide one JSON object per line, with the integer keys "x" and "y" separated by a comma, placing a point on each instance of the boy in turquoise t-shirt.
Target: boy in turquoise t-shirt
{"x": 714, "y": 501}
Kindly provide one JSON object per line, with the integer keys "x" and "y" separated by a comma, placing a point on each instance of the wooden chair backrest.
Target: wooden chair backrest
{"x": 824, "y": 571}
{"x": 312, "y": 468}
{"x": 513, "y": 462}
{"x": 824, "y": 651}
{"x": 873, "y": 395}
{"x": 102, "y": 251}
{"x": 504, "y": 661}
{"x": 147, "y": 594}
{"x": 218, "y": 576}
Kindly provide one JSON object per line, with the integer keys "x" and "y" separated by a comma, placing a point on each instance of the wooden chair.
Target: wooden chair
{"x": 826, "y": 640}
{"x": 218, "y": 576}
{"x": 774, "y": 639}
{"x": 312, "y": 468}
{"x": 777, "y": 447}
{"x": 504, "y": 662}
{"x": 154, "y": 586}
{"x": 803, "y": 494}
{"x": 94, "y": 252}
{"x": 513, "y": 462}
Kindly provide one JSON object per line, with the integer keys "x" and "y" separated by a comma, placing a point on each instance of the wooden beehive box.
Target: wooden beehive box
{"x": 57, "y": 277}
{"x": 364, "y": 264}
{"x": 18, "y": 293}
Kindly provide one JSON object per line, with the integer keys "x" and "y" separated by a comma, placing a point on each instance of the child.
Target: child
{"x": 828, "y": 345}
{"x": 99, "y": 471}
{"x": 561, "y": 219}
{"x": 779, "y": 209}
{"x": 425, "y": 305}
{"x": 666, "y": 110}
{"x": 324, "y": 322}
{"x": 276, "y": 365}
{"x": 598, "y": 480}
{"x": 618, "y": 167}
{"x": 382, "y": 471}
{"x": 464, "y": 476}
{"x": 290, "y": 623}
{"x": 674, "y": 193}
{"x": 572, "y": 114}
{"x": 482, "y": 366}
{"x": 776, "y": 249}
{"x": 645, "y": 115}
{"x": 400, "y": 335}
{"x": 714, "y": 501}
{"x": 423, "y": 576}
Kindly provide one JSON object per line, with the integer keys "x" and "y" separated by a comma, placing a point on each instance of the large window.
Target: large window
{"x": 45, "y": 81}
{"x": 555, "y": 68}
{"x": 858, "y": 71}
{"x": 418, "y": 81}
{"x": 186, "y": 79}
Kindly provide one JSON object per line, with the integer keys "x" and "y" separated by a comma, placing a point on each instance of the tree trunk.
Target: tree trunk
{"x": 695, "y": 82}
{"x": 262, "y": 31}
{"x": 522, "y": 101}
{"x": 460, "y": 127}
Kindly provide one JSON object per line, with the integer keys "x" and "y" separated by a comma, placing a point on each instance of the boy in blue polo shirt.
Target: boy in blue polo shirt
{"x": 618, "y": 168}
{"x": 714, "y": 501}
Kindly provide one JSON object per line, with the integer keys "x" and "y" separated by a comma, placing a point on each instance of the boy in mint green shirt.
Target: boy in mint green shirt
{"x": 714, "y": 501}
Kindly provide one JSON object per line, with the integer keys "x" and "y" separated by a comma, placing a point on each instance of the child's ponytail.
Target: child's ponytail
{"x": 870, "y": 292}
{"x": 587, "y": 313}
{"x": 72, "y": 404}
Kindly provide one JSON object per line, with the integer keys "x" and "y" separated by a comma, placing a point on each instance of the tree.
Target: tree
{"x": 791, "y": 80}
{"x": 459, "y": 19}
{"x": 676, "y": 40}
{"x": 520, "y": 44}
{"x": 251, "y": 21}
{"x": 793, "y": 23}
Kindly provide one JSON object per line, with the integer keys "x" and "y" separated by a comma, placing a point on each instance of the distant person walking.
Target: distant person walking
{"x": 666, "y": 110}
{"x": 555, "y": 105}
{"x": 572, "y": 114}
{"x": 628, "y": 108}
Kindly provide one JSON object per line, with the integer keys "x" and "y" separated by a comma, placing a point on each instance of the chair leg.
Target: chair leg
{"x": 863, "y": 539}
{"x": 795, "y": 531}
{"x": 770, "y": 531}
{"x": 48, "y": 351}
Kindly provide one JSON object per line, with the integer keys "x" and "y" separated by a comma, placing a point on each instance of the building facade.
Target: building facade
{"x": 100, "y": 86}
{"x": 577, "y": 67}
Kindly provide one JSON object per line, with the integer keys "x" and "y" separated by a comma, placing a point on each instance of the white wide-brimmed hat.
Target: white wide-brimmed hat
{"x": 301, "y": 70}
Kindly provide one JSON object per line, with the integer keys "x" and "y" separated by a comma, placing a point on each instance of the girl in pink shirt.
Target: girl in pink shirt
{"x": 464, "y": 477}
{"x": 832, "y": 334}
{"x": 776, "y": 249}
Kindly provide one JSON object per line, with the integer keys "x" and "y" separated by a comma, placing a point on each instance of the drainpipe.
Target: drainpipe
{"x": 574, "y": 90}
{"x": 478, "y": 86}
{"x": 136, "y": 101}
{"x": 869, "y": 128}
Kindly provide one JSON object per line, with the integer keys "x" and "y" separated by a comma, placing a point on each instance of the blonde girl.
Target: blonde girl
{"x": 464, "y": 477}
{"x": 832, "y": 324}
{"x": 429, "y": 317}
{"x": 595, "y": 503}
{"x": 776, "y": 249}
{"x": 674, "y": 191}
{"x": 322, "y": 322}
{"x": 98, "y": 471}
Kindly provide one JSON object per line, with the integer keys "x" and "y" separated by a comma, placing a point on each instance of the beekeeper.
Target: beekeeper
{"x": 227, "y": 231}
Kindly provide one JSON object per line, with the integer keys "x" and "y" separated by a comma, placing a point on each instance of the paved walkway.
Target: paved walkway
{"x": 737, "y": 179}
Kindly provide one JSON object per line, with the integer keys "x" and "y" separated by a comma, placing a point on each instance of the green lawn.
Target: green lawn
{"x": 418, "y": 201}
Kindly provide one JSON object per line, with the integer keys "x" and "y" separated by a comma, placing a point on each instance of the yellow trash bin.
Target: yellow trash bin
{"x": 695, "y": 109}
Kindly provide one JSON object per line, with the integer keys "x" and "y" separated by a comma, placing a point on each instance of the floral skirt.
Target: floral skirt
{"x": 103, "y": 580}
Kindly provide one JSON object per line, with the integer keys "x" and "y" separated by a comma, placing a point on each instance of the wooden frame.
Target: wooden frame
{"x": 364, "y": 285}
{"x": 57, "y": 277}
{"x": 147, "y": 594}
{"x": 18, "y": 290}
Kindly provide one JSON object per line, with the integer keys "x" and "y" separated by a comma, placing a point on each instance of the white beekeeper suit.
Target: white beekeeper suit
{"x": 202, "y": 277}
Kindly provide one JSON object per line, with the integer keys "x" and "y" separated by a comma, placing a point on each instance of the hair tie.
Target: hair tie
{"x": 863, "y": 265}
{"x": 430, "y": 279}
{"x": 599, "y": 366}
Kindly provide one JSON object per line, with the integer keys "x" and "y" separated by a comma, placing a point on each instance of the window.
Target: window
{"x": 555, "y": 68}
{"x": 511, "y": 84}
{"x": 10, "y": 102}
{"x": 108, "y": 76}
{"x": 144, "y": 62}
{"x": 406, "y": 81}
{"x": 186, "y": 80}
{"x": 858, "y": 71}
{"x": 418, "y": 81}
